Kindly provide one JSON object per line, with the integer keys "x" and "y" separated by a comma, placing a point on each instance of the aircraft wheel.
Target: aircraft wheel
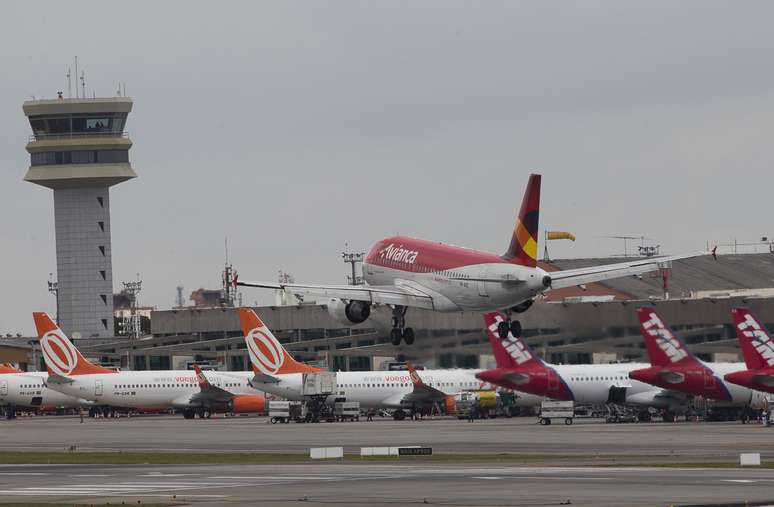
{"x": 408, "y": 335}
{"x": 395, "y": 336}
{"x": 568, "y": 421}
{"x": 399, "y": 415}
{"x": 503, "y": 329}
{"x": 515, "y": 328}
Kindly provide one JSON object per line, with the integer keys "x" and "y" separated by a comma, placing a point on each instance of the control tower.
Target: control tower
{"x": 79, "y": 149}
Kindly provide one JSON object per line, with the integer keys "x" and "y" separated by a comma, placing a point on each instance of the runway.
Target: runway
{"x": 720, "y": 441}
{"x": 556, "y": 463}
{"x": 384, "y": 484}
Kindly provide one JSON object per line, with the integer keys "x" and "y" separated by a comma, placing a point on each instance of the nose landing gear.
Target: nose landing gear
{"x": 399, "y": 330}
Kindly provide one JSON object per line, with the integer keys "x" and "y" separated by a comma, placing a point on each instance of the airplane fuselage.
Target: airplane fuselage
{"x": 150, "y": 389}
{"x": 29, "y": 389}
{"x": 387, "y": 389}
{"x": 456, "y": 278}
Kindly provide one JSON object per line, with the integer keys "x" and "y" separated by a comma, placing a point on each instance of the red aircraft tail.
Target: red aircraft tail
{"x": 756, "y": 343}
{"x": 509, "y": 352}
{"x": 663, "y": 346}
{"x": 524, "y": 242}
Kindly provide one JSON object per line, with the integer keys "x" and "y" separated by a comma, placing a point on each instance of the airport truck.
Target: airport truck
{"x": 552, "y": 409}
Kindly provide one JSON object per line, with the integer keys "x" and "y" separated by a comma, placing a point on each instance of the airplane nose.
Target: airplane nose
{"x": 546, "y": 281}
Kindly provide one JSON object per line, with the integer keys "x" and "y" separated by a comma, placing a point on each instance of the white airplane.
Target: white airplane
{"x": 404, "y": 272}
{"x": 27, "y": 390}
{"x": 520, "y": 369}
{"x": 276, "y": 372}
{"x": 72, "y": 374}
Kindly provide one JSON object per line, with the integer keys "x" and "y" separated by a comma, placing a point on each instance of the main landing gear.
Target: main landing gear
{"x": 508, "y": 326}
{"x": 399, "y": 330}
{"x": 513, "y": 326}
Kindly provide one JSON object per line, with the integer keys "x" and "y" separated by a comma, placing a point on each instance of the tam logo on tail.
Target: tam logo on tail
{"x": 664, "y": 338}
{"x": 266, "y": 353}
{"x": 759, "y": 338}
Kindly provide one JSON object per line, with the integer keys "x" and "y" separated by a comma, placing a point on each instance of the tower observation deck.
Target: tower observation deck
{"x": 79, "y": 149}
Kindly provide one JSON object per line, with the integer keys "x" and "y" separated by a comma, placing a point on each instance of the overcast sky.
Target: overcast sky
{"x": 295, "y": 127}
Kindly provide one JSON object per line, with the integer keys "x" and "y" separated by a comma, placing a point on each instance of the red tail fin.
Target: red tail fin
{"x": 524, "y": 242}
{"x": 200, "y": 378}
{"x": 509, "y": 352}
{"x": 59, "y": 353}
{"x": 8, "y": 368}
{"x": 415, "y": 378}
{"x": 756, "y": 343}
{"x": 663, "y": 346}
{"x": 267, "y": 355}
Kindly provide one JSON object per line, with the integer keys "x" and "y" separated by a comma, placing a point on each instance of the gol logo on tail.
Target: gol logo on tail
{"x": 265, "y": 351}
{"x": 61, "y": 356}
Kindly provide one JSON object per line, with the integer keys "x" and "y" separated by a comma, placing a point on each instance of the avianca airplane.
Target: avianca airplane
{"x": 518, "y": 368}
{"x": 758, "y": 351}
{"x": 28, "y": 390}
{"x": 72, "y": 374}
{"x": 404, "y": 272}
{"x": 674, "y": 367}
{"x": 276, "y": 372}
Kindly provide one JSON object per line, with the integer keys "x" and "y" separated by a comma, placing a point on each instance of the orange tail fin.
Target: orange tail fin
{"x": 267, "y": 355}
{"x": 61, "y": 356}
{"x": 524, "y": 242}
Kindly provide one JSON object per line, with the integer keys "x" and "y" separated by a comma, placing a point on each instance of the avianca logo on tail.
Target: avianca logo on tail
{"x": 664, "y": 338}
{"x": 60, "y": 355}
{"x": 266, "y": 353}
{"x": 758, "y": 337}
{"x": 398, "y": 254}
{"x": 513, "y": 346}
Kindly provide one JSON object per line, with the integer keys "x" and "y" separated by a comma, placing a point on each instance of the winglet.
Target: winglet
{"x": 509, "y": 352}
{"x": 267, "y": 355}
{"x": 524, "y": 241}
{"x": 200, "y": 377}
{"x": 663, "y": 346}
{"x": 756, "y": 343}
{"x": 61, "y": 356}
{"x": 415, "y": 378}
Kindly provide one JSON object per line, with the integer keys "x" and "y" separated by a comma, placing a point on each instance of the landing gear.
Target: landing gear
{"x": 189, "y": 413}
{"x": 399, "y": 330}
{"x": 399, "y": 415}
{"x": 509, "y": 326}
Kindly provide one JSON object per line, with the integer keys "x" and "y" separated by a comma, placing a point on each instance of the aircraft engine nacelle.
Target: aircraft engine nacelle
{"x": 450, "y": 404}
{"x": 353, "y": 312}
{"x": 758, "y": 400}
{"x": 248, "y": 404}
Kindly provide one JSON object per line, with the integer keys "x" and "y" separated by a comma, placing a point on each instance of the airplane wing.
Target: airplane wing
{"x": 422, "y": 392}
{"x": 403, "y": 295}
{"x": 573, "y": 277}
{"x": 208, "y": 392}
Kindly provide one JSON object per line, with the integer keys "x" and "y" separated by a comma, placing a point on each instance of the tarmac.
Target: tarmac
{"x": 567, "y": 467}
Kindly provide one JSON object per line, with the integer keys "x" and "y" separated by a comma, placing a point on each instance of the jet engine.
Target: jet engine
{"x": 353, "y": 312}
{"x": 248, "y": 404}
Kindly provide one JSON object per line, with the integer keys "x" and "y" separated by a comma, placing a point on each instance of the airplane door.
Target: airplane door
{"x": 481, "y": 283}
{"x": 217, "y": 381}
{"x": 3, "y": 388}
{"x": 97, "y": 388}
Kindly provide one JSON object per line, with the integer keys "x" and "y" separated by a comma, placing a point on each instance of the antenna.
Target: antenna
{"x": 76, "y": 76}
{"x": 124, "y": 89}
{"x": 69, "y": 90}
{"x": 83, "y": 84}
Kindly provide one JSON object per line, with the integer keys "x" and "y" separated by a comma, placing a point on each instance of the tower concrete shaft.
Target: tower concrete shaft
{"x": 79, "y": 149}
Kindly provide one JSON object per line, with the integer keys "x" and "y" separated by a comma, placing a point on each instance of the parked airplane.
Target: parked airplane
{"x": 520, "y": 369}
{"x": 758, "y": 351}
{"x": 276, "y": 372}
{"x": 28, "y": 390}
{"x": 404, "y": 272}
{"x": 674, "y": 367}
{"x": 72, "y": 374}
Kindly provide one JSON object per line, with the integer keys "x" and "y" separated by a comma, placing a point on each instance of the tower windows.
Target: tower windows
{"x": 101, "y": 228}
{"x": 102, "y": 250}
{"x": 103, "y": 297}
{"x": 102, "y": 274}
{"x": 101, "y": 201}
